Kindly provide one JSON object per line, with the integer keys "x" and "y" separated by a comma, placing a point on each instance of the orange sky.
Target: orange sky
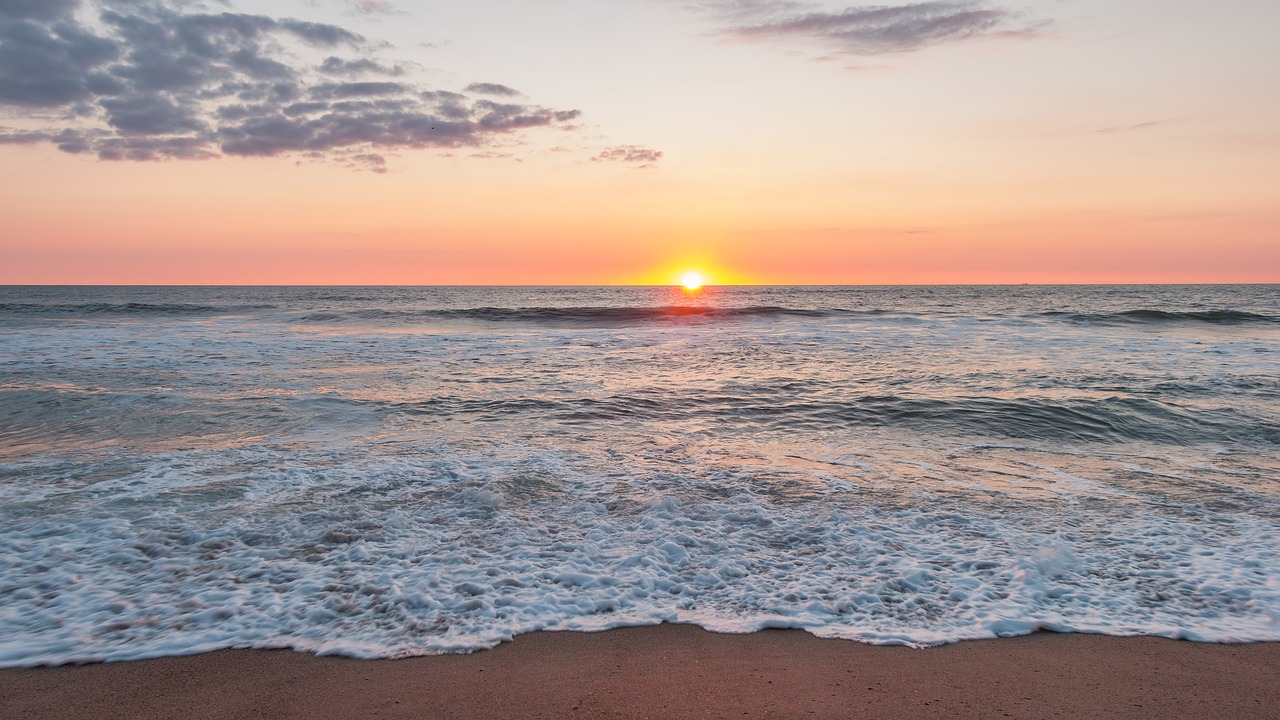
{"x": 1079, "y": 146}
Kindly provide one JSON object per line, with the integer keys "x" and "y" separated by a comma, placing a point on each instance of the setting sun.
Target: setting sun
{"x": 691, "y": 281}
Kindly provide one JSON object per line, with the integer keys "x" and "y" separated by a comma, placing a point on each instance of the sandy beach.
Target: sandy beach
{"x": 681, "y": 671}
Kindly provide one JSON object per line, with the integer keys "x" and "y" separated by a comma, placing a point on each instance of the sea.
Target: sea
{"x": 382, "y": 472}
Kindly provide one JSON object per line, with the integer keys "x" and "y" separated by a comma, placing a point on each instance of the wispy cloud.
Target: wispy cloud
{"x": 865, "y": 29}
{"x": 488, "y": 88}
{"x": 153, "y": 80}
{"x": 1113, "y": 129}
{"x": 373, "y": 7}
{"x": 635, "y": 155}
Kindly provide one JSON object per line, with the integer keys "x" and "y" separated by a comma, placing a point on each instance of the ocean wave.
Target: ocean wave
{"x": 1109, "y": 420}
{"x": 603, "y": 316}
{"x": 587, "y": 316}
{"x": 72, "y": 310}
{"x": 1159, "y": 317}
{"x": 388, "y": 472}
{"x": 144, "y": 420}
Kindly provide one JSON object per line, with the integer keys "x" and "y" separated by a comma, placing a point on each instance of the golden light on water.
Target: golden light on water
{"x": 691, "y": 280}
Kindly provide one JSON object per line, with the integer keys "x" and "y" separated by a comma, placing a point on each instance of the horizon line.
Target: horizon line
{"x": 618, "y": 285}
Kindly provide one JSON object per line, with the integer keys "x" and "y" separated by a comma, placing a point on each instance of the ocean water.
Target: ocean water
{"x": 382, "y": 472}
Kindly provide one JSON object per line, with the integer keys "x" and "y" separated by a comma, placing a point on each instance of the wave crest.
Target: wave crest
{"x": 1215, "y": 317}
{"x": 121, "y": 309}
{"x": 568, "y": 315}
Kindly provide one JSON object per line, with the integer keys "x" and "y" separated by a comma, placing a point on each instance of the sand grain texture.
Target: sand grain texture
{"x": 681, "y": 672}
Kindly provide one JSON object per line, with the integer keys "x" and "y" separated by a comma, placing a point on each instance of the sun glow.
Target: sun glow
{"x": 691, "y": 280}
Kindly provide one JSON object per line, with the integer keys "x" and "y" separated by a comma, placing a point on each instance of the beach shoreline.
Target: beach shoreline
{"x": 680, "y": 671}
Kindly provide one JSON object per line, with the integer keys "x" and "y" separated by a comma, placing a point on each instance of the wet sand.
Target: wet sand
{"x": 680, "y": 671}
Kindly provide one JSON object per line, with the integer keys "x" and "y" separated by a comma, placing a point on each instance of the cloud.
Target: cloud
{"x": 373, "y": 162}
{"x": 867, "y": 29}
{"x": 369, "y": 89}
{"x": 1113, "y": 129}
{"x": 492, "y": 155}
{"x": 363, "y": 66}
{"x": 25, "y": 138}
{"x": 36, "y": 9}
{"x": 485, "y": 88}
{"x": 47, "y": 63}
{"x": 155, "y": 80}
{"x": 373, "y": 7}
{"x": 642, "y": 157}
{"x": 321, "y": 33}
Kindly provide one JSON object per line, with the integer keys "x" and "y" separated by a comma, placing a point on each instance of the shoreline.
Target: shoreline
{"x": 680, "y": 671}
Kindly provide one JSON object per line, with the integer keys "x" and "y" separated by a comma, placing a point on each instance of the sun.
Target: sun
{"x": 691, "y": 280}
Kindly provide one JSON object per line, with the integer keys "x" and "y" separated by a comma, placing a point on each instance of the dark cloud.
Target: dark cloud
{"x": 363, "y": 66}
{"x": 152, "y": 114}
{"x": 640, "y": 156}
{"x": 47, "y": 63}
{"x": 37, "y": 9}
{"x": 508, "y": 116}
{"x": 69, "y": 141}
{"x": 150, "y": 80}
{"x": 24, "y": 138}
{"x": 147, "y": 148}
{"x": 321, "y": 34}
{"x": 342, "y": 91}
{"x": 870, "y": 29}
{"x": 485, "y": 88}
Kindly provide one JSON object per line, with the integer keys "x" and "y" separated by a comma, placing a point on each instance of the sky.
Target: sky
{"x": 547, "y": 142}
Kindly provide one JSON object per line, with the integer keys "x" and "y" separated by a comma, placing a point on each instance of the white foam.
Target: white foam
{"x": 401, "y": 554}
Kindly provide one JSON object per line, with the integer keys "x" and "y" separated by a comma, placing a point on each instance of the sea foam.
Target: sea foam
{"x": 445, "y": 549}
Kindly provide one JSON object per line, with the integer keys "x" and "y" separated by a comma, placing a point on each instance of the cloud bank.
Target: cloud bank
{"x": 150, "y": 80}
